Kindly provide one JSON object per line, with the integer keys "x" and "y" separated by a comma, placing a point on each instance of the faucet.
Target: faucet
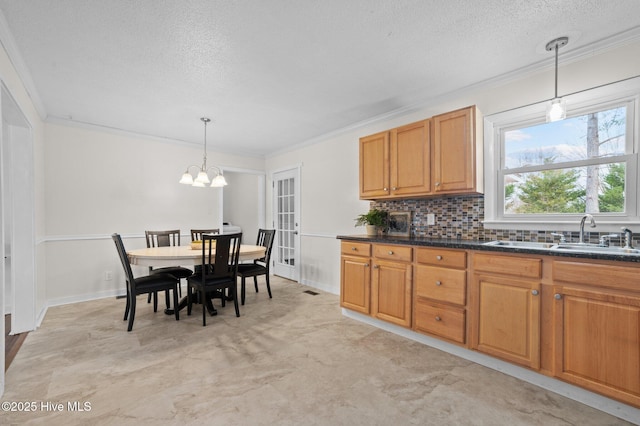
{"x": 605, "y": 240}
{"x": 592, "y": 224}
{"x": 563, "y": 239}
{"x": 628, "y": 238}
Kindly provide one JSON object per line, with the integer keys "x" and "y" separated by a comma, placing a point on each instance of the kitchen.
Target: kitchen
{"x": 72, "y": 216}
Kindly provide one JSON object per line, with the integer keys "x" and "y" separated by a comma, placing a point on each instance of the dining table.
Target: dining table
{"x": 159, "y": 257}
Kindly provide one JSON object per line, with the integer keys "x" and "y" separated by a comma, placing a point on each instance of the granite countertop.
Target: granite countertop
{"x": 480, "y": 245}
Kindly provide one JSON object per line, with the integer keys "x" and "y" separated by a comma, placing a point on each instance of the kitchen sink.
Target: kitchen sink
{"x": 521, "y": 244}
{"x": 565, "y": 247}
{"x": 596, "y": 249}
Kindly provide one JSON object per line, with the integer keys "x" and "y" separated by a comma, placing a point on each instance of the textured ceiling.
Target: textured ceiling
{"x": 276, "y": 73}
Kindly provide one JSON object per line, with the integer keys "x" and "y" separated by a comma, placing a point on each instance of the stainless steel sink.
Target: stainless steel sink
{"x": 521, "y": 244}
{"x": 596, "y": 249}
{"x": 565, "y": 247}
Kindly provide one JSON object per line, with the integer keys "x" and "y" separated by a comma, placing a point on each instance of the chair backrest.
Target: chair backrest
{"x": 222, "y": 252}
{"x": 196, "y": 234}
{"x": 265, "y": 239}
{"x": 124, "y": 259}
{"x": 162, "y": 238}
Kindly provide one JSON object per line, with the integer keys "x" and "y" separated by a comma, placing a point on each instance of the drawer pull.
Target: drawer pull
{"x": 438, "y": 283}
{"x": 535, "y": 292}
{"x": 557, "y": 296}
{"x": 390, "y": 252}
{"x": 354, "y": 249}
{"x": 438, "y": 318}
{"x": 439, "y": 257}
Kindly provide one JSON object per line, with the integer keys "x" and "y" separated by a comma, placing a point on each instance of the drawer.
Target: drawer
{"x": 442, "y": 257}
{"x": 612, "y": 276}
{"x": 400, "y": 253}
{"x": 506, "y": 265}
{"x": 442, "y": 284}
{"x": 444, "y": 321}
{"x": 352, "y": 248}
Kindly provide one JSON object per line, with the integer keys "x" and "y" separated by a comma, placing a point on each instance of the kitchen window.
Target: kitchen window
{"x": 546, "y": 176}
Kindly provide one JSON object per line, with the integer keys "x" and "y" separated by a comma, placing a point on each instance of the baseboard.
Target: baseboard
{"x": 599, "y": 402}
{"x": 84, "y": 297}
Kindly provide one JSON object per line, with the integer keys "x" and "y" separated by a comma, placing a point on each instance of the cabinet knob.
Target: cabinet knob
{"x": 394, "y": 188}
{"x": 438, "y": 283}
{"x": 438, "y": 318}
{"x": 385, "y": 189}
{"x": 437, "y": 183}
{"x": 366, "y": 265}
{"x": 557, "y": 296}
{"x": 390, "y": 252}
{"x": 375, "y": 266}
{"x": 353, "y": 248}
{"x": 535, "y": 292}
{"x": 439, "y": 257}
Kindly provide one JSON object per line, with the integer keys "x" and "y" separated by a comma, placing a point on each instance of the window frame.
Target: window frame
{"x": 625, "y": 93}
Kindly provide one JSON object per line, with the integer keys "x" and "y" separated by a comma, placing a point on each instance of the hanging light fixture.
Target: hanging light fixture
{"x": 202, "y": 178}
{"x": 557, "y": 108}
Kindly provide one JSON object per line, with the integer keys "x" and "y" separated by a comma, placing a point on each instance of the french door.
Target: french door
{"x": 286, "y": 221}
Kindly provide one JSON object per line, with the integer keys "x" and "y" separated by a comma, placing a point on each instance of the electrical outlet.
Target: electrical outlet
{"x": 108, "y": 275}
{"x": 431, "y": 219}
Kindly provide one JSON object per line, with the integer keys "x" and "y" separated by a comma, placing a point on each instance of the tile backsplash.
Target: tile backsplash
{"x": 461, "y": 217}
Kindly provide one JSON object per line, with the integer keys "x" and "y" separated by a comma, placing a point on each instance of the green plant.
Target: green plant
{"x": 373, "y": 217}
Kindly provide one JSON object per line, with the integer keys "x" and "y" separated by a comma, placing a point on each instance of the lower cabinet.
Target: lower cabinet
{"x": 597, "y": 332}
{"x": 506, "y": 292}
{"x": 355, "y": 277}
{"x": 391, "y": 284}
{"x": 440, "y": 286}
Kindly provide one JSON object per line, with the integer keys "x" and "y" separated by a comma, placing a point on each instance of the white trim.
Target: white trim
{"x": 575, "y": 393}
{"x": 311, "y": 235}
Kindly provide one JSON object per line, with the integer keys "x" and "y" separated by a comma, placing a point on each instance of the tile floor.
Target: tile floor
{"x": 291, "y": 360}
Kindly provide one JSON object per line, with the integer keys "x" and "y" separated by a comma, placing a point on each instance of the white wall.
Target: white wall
{"x": 98, "y": 183}
{"x": 330, "y": 167}
{"x": 241, "y": 198}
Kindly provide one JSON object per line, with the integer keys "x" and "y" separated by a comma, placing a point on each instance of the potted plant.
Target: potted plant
{"x": 374, "y": 220}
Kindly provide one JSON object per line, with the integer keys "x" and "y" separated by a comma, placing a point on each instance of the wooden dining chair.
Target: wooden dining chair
{"x": 196, "y": 234}
{"x": 259, "y": 266}
{"x": 222, "y": 253}
{"x": 143, "y": 285}
{"x": 165, "y": 239}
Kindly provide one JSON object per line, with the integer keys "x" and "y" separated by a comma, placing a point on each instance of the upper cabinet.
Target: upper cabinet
{"x": 396, "y": 162}
{"x": 429, "y": 157}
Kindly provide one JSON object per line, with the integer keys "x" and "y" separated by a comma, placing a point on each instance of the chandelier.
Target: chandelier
{"x": 202, "y": 179}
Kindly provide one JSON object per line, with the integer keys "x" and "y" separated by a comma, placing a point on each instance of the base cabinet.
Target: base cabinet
{"x": 507, "y": 311}
{"x": 597, "y": 337}
{"x": 391, "y": 284}
{"x": 355, "y": 277}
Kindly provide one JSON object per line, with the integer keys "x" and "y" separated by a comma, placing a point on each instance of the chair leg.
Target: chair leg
{"x": 155, "y": 301}
{"x": 149, "y": 298}
{"x": 175, "y": 303}
{"x": 188, "y": 299}
{"x": 235, "y": 299}
{"x": 242, "y": 290}
{"x": 204, "y": 308}
{"x": 127, "y": 306}
{"x": 266, "y": 276}
{"x": 132, "y": 314}
{"x": 255, "y": 282}
{"x": 167, "y": 298}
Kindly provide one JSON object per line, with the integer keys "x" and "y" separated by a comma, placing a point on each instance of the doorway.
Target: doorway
{"x": 17, "y": 228}
{"x": 286, "y": 221}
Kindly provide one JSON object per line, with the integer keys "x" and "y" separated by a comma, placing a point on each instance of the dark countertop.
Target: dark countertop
{"x": 479, "y": 245}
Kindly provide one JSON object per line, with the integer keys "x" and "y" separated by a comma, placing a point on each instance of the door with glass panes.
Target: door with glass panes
{"x": 286, "y": 202}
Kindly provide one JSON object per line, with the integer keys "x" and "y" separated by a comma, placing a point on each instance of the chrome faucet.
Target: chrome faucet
{"x": 628, "y": 238}
{"x": 592, "y": 224}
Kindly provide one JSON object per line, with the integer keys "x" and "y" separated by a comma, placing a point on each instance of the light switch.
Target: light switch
{"x": 431, "y": 219}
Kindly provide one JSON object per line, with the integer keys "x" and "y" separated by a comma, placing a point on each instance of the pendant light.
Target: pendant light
{"x": 557, "y": 108}
{"x": 202, "y": 178}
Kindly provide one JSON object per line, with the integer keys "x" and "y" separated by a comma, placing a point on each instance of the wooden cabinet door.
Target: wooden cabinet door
{"x": 454, "y": 165}
{"x": 374, "y": 166}
{"x": 597, "y": 341}
{"x": 391, "y": 292}
{"x": 410, "y": 162}
{"x": 508, "y": 319}
{"x": 355, "y": 284}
